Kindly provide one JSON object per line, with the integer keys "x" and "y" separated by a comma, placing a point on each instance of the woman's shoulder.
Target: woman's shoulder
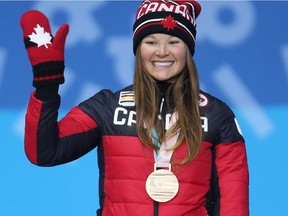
{"x": 207, "y": 99}
{"x": 108, "y": 94}
{"x": 104, "y": 102}
{"x": 212, "y": 104}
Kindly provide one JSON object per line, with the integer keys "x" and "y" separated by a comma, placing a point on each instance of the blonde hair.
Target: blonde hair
{"x": 186, "y": 96}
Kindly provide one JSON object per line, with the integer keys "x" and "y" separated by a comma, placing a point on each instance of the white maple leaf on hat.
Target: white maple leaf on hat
{"x": 41, "y": 37}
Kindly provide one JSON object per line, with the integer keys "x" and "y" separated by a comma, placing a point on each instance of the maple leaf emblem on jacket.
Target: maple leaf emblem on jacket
{"x": 169, "y": 23}
{"x": 41, "y": 37}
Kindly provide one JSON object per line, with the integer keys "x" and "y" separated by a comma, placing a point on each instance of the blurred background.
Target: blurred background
{"x": 242, "y": 58}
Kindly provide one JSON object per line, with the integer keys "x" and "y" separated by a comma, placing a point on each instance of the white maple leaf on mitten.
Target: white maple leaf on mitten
{"x": 41, "y": 37}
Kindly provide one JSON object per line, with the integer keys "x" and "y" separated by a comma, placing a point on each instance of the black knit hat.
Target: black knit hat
{"x": 176, "y": 18}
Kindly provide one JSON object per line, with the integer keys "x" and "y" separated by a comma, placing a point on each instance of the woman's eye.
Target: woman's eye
{"x": 174, "y": 42}
{"x": 150, "y": 42}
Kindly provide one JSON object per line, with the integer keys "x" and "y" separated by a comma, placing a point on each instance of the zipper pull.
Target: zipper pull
{"x": 161, "y": 107}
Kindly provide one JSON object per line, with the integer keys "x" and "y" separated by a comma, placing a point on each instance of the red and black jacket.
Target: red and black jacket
{"x": 215, "y": 182}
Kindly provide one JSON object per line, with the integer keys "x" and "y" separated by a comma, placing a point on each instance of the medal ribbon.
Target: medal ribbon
{"x": 165, "y": 155}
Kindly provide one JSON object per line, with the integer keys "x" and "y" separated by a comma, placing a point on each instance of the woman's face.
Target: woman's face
{"x": 163, "y": 56}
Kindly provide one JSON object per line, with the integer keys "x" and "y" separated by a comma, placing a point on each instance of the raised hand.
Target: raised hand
{"x": 46, "y": 53}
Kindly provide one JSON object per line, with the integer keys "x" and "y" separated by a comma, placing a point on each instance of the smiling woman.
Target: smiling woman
{"x": 163, "y": 56}
{"x": 159, "y": 140}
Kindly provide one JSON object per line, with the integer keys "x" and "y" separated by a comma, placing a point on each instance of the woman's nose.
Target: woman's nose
{"x": 162, "y": 50}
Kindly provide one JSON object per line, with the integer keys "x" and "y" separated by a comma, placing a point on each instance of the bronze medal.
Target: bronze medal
{"x": 162, "y": 185}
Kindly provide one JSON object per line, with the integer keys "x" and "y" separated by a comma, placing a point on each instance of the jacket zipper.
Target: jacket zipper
{"x": 156, "y": 208}
{"x": 156, "y": 204}
{"x": 161, "y": 108}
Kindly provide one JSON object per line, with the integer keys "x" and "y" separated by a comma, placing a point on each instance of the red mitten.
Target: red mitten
{"x": 46, "y": 53}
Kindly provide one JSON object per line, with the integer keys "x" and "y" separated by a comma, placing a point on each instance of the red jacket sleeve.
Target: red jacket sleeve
{"x": 49, "y": 142}
{"x": 232, "y": 167}
{"x": 231, "y": 164}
